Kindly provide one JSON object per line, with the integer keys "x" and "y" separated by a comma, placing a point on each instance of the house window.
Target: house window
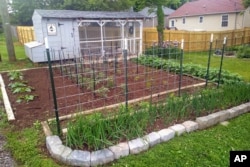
{"x": 172, "y": 23}
{"x": 183, "y": 20}
{"x": 201, "y": 19}
{"x": 224, "y": 22}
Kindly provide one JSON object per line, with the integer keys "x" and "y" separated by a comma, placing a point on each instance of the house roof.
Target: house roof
{"x": 147, "y": 13}
{"x": 71, "y": 14}
{"x": 207, "y": 7}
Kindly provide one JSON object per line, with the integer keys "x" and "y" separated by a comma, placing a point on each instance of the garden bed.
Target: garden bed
{"x": 146, "y": 82}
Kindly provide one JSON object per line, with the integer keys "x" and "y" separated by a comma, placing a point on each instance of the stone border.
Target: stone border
{"x": 6, "y": 101}
{"x": 135, "y": 146}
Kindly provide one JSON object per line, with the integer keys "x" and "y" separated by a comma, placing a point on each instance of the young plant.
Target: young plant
{"x": 102, "y": 91}
{"x": 15, "y": 75}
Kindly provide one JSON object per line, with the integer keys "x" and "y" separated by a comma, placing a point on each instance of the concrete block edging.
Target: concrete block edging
{"x": 136, "y": 146}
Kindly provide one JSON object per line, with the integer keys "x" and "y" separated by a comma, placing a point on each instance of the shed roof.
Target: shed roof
{"x": 71, "y": 14}
{"x": 206, "y": 7}
{"x": 146, "y": 11}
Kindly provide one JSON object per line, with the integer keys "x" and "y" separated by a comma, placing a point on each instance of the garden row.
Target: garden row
{"x": 98, "y": 131}
{"x": 190, "y": 69}
{"x": 20, "y": 87}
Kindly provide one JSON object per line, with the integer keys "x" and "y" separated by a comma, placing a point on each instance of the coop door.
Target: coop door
{"x": 67, "y": 35}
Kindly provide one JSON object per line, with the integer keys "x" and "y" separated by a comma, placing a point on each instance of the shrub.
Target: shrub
{"x": 164, "y": 52}
{"x": 243, "y": 51}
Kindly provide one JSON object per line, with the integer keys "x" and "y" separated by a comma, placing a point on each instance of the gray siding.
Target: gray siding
{"x": 37, "y": 24}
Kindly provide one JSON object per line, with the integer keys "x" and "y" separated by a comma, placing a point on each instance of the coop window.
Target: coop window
{"x": 183, "y": 20}
{"x": 224, "y": 22}
{"x": 201, "y": 19}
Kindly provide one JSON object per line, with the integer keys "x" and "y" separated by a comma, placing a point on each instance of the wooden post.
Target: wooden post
{"x": 7, "y": 30}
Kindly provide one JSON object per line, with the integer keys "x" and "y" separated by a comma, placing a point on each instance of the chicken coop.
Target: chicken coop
{"x": 84, "y": 33}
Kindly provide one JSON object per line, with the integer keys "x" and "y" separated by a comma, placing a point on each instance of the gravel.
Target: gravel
{"x": 6, "y": 159}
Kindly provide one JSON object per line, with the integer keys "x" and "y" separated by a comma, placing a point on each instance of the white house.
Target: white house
{"x": 210, "y": 15}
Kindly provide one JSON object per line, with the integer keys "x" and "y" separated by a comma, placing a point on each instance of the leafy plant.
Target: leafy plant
{"x": 102, "y": 91}
{"x": 191, "y": 69}
{"x": 25, "y": 98}
{"x": 243, "y": 51}
{"x": 15, "y": 75}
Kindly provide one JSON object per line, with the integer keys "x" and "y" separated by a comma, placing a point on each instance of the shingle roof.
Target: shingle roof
{"x": 167, "y": 11}
{"x": 70, "y": 14}
{"x": 206, "y": 7}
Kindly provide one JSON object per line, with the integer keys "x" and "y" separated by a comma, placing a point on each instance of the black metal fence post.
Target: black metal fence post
{"x": 181, "y": 62}
{"x": 209, "y": 59}
{"x": 221, "y": 61}
{"x": 53, "y": 88}
{"x": 125, "y": 54}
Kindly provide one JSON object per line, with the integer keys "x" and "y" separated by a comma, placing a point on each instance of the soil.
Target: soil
{"x": 78, "y": 94}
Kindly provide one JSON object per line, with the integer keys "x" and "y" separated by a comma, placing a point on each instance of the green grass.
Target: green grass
{"x": 25, "y": 145}
{"x": 22, "y": 60}
{"x": 232, "y": 64}
{"x": 203, "y": 148}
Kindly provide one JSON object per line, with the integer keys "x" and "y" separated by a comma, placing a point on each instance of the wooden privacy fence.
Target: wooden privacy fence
{"x": 25, "y": 34}
{"x": 193, "y": 40}
{"x": 197, "y": 41}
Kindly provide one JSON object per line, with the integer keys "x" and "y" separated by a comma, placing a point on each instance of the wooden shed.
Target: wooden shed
{"x": 84, "y": 33}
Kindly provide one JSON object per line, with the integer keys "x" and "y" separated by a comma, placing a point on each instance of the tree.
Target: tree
{"x": 98, "y": 5}
{"x": 160, "y": 15}
{"x": 246, "y": 3}
{"x": 7, "y": 30}
{"x": 22, "y": 10}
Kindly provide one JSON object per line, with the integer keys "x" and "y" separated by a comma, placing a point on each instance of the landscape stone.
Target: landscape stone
{"x": 152, "y": 138}
{"x": 223, "y": 115}
{"x": 138, "y": 145}
{"x": 79, "y": 158}
{"x": 64, "y": 155}
{"x": 120, "y": 150}
{"x": 202, "y": 122}
{"x": 178, "y": 128}
{"x": 233, "y": 112}
{"x": 101, "y": 157}
{"x": 190, "y": 126}
{"x": 248, "y": 106}
{"x": 51, "y": 141}
{"x": 243, "y": 108}
{"x": 166, "y": 134}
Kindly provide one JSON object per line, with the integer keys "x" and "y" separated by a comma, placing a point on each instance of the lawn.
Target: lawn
{"x": 23, "y": 61}
{"x": 232, "y": 64}
{"x": 203, "y": 148}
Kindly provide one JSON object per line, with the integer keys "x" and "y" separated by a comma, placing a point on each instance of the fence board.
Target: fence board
{"x": 199, "y": 41}
{"x": 194, "y": 41}
{"x": 25, "y": 34}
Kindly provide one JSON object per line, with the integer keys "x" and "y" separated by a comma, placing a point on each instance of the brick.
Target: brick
{"x": 152, "y": 138}
{"x": 101, "y": 157}
{"x": 190, "y": 126}
{"x": 166, "y": 134}
{"x": 178, "y": 128}
{"x": 79, "y": 158}
{"x": 120, "y": 150}
{"x": 138, "y": 145}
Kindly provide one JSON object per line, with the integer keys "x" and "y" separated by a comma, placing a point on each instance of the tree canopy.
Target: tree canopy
{"x": 22, "y": 10}
{"x": 246, "y": 3}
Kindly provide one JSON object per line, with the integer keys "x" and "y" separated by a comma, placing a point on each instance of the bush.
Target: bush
{"x": 164, "y": 52}
{"x": 243, "y": 51}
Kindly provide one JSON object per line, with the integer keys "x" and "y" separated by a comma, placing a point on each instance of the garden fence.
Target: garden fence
{"x": 194, "y": 41}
